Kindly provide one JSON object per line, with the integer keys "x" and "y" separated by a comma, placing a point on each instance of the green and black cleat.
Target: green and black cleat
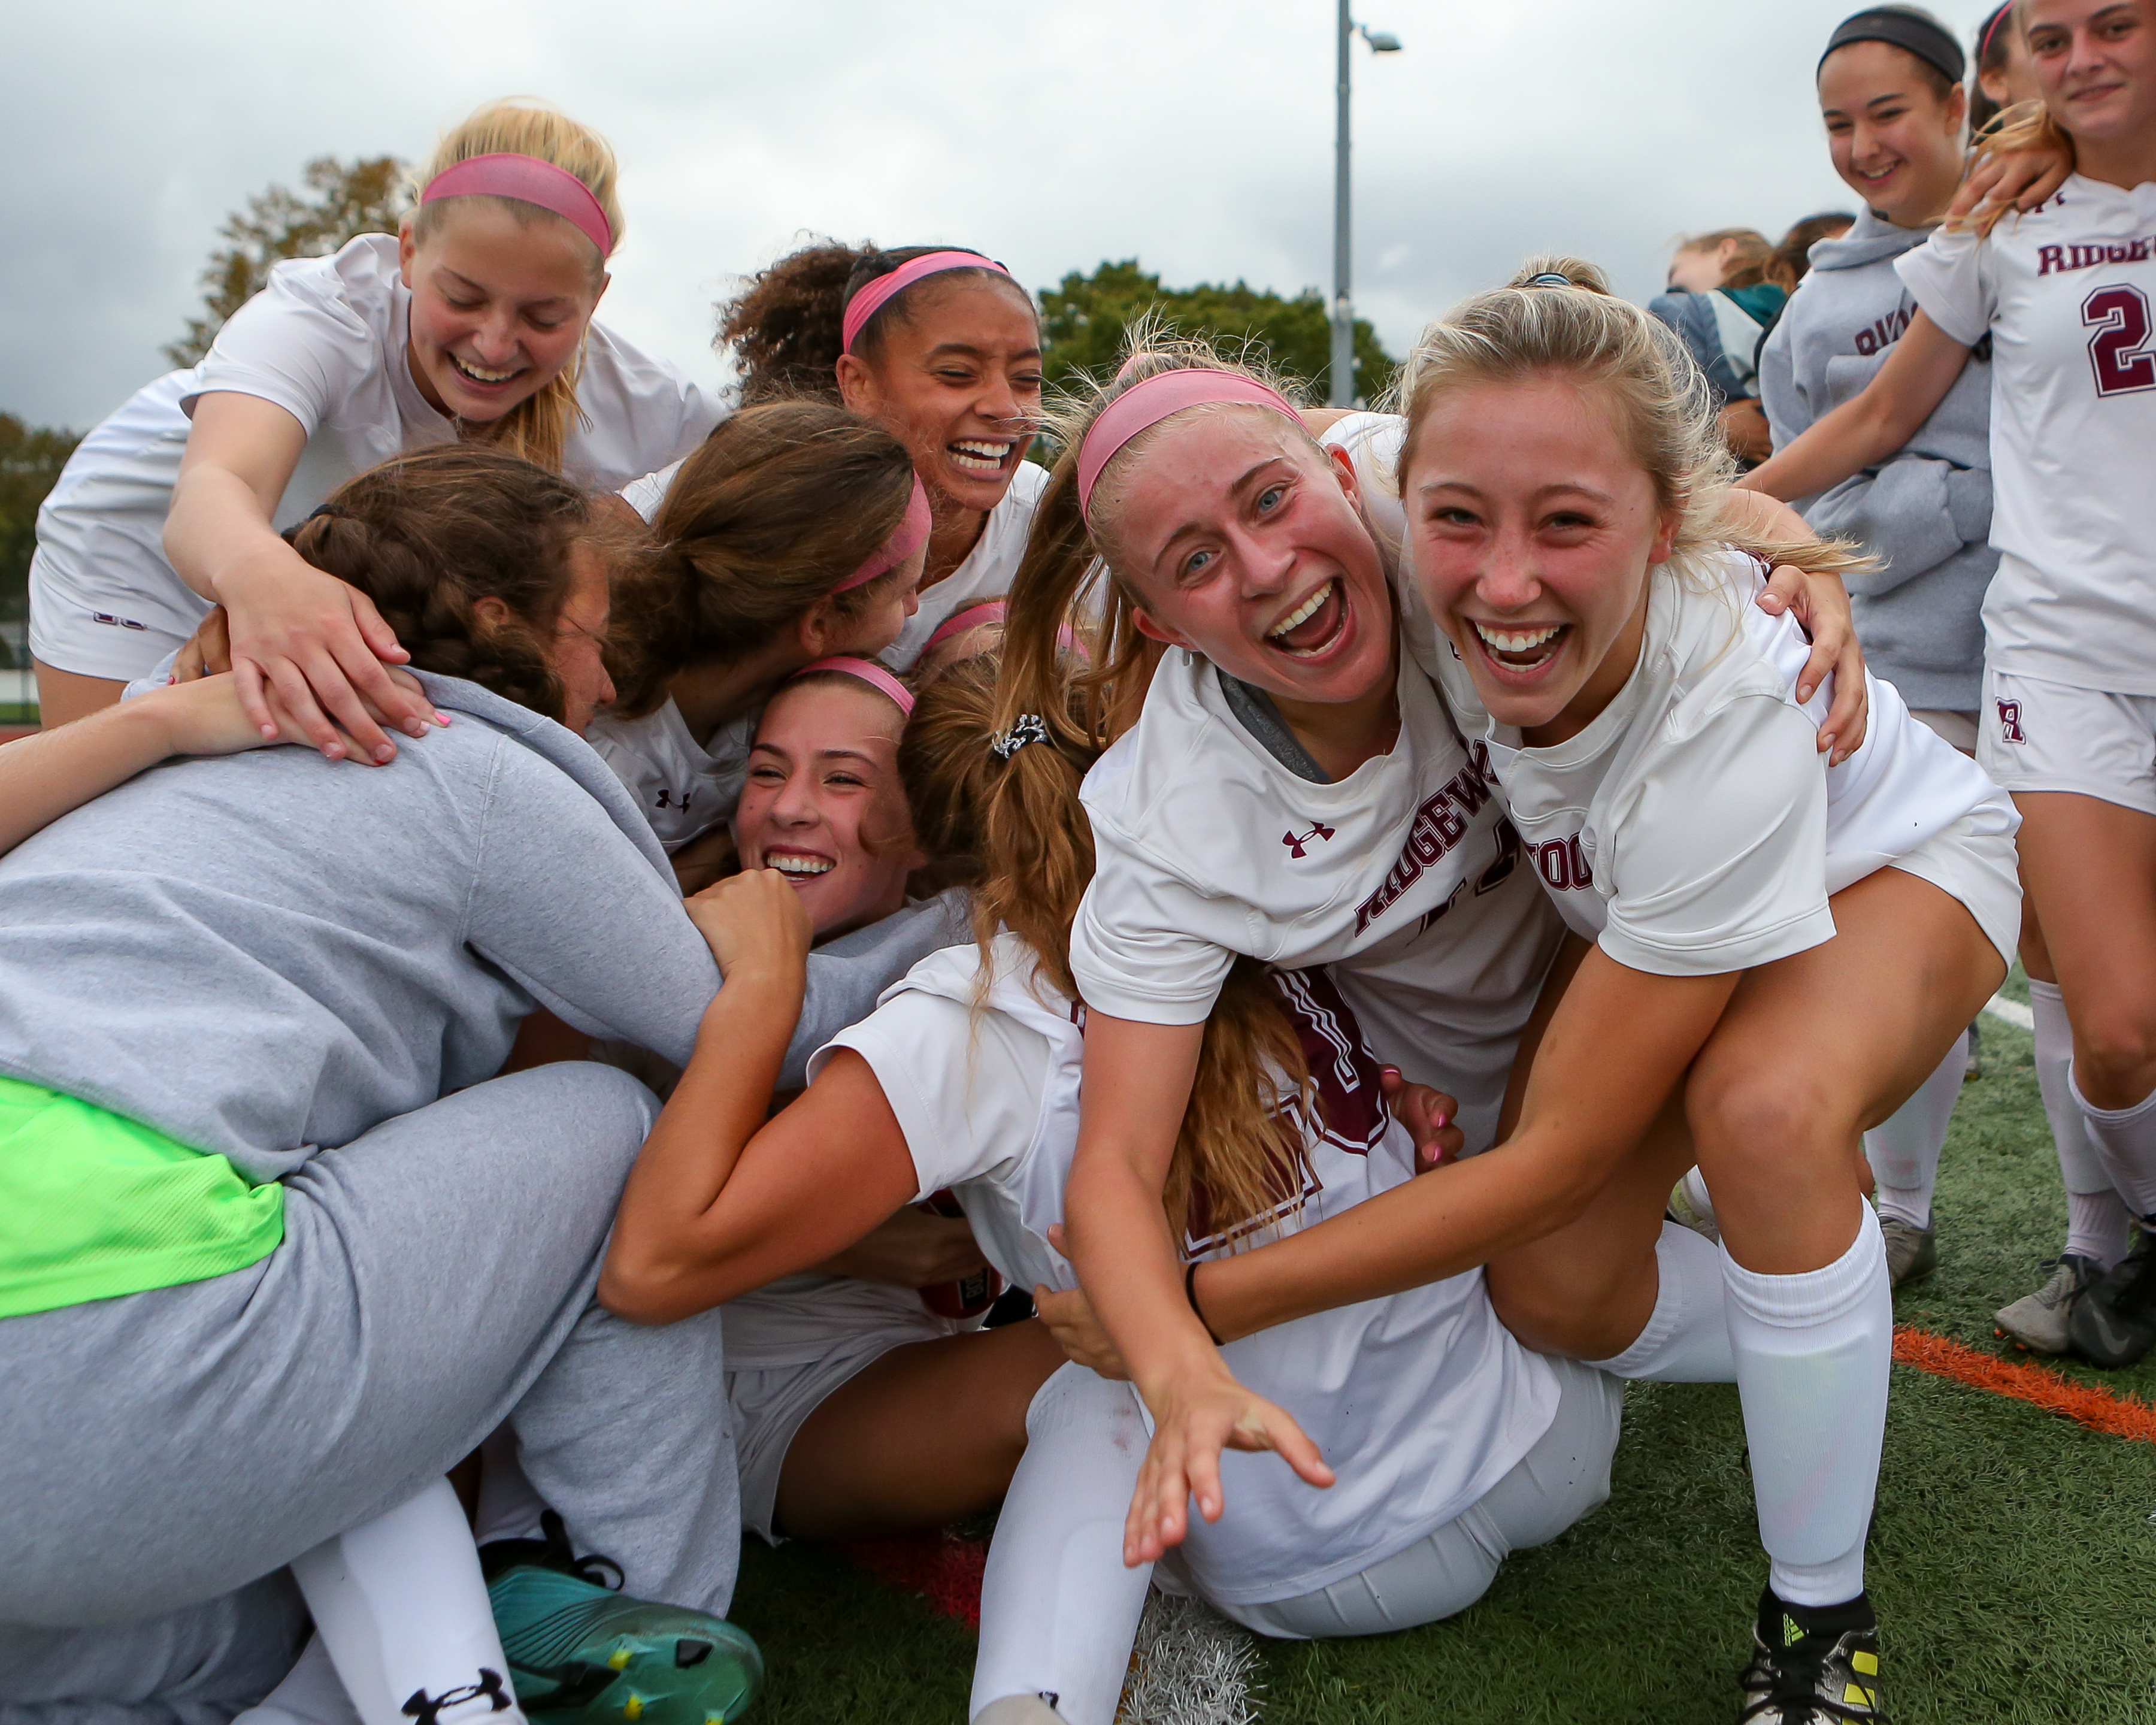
{"x": 1812, "y": 1666}
{"x": 582, "y": 1654}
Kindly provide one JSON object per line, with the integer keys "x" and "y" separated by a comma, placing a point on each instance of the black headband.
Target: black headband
{"x": 1931, "y": 42}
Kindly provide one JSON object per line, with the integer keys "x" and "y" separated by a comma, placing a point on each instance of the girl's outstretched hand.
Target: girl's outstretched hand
{"x": 322, "y": 649}
{"x": 756, "y": 926}
{"x": 1194, "y": 1419}
{"x": 206, "y": 716}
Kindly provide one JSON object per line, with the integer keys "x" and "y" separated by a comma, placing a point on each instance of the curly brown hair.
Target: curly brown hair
{"x": 426, "y": 535}
{"x": 786, "y": 328}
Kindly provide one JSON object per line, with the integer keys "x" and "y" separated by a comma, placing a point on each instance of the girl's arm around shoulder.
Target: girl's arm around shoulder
{"x": 719, "y": 1201}
{"x": 45, "y": 776}
{"x": 1871, "y": 425}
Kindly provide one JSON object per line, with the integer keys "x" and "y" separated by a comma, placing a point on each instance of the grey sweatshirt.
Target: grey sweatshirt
{"x": 269, "y": 953}
{"x": 1926, "y": 511}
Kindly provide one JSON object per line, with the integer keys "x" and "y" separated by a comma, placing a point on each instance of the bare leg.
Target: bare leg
{"x": 65, "y": 695}
{"x": 929, "y": 1433}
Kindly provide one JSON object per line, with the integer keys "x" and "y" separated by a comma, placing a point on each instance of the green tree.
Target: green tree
{"x": 1083, "y": 320}
{"x": 349, "y": 199}
{"x": 31, "y": 457}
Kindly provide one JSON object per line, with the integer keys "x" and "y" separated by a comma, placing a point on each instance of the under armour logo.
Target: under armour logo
{"x": 1296, "y": 842}
{"x": 681, "y": 803}
{"x": 109, "y": 619}
{"x": 2009, "y": 720}
{"x": 426, "y": 1708}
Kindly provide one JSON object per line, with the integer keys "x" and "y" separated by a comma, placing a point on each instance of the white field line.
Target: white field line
{"x": 2012, "y": 1011}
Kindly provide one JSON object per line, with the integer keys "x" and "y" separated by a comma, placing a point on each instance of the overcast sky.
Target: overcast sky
{"x": 1196, "y": 135}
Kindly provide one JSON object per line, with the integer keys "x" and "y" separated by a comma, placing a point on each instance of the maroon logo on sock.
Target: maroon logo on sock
{"x": 2009, "y": 720}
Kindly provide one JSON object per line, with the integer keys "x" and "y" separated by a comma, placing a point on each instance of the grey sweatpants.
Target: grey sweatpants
{"x": 163, "y": 1455}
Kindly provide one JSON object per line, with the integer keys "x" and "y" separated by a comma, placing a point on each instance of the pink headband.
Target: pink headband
{"x": 1147, "y": 404}
{"x": 907, "y": 537}
{"x": 958, "y": 622}
{"x": 1991, "y": 29}
{"x": 868, "y": 671}
{"x": 528, "y": 180}
{"x": 877, "y": 293}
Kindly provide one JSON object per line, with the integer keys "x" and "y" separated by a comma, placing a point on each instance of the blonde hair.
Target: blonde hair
{"x": 1665, "y": 405}
{"x": 1020, "y": 818}
{"x": 538, "y": 428}
{"x": 1754, "y": 260}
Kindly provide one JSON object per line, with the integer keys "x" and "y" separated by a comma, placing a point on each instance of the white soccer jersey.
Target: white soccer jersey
{"x": 1404, "y": 875}
{"x": 986, "y": 574}
{"x": 1693, "y": 828}
{"x": 684, "y": 789}
{"x": 1421, "y": 1401}
{"x": 326, "y": 341}
{"x": 2065, "y": 294}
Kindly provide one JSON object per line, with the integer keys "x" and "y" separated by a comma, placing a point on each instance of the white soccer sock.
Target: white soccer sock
{"x": 2098, "y": 1227}
{"x": 400, "y": 1604}
{"x": 1813, "y": 1352}
{"x": 311, "y": 1694}
{"x": 2126, "y": 1139}
{"x": 2096, "y": 1235}
{"x": 1903, "y": 1149}
{"x": 1059, "y": 1611}
{"x": 1687, "y": 1339}
{"x": 508, "y": 1507}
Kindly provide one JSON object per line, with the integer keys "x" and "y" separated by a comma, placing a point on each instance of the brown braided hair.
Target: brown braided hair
{"x": 426, "y": 535}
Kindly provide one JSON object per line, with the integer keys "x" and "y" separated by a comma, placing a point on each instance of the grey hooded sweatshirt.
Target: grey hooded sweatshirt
{"x": 269, "y": 953}
{"x": 1926, "y": 512}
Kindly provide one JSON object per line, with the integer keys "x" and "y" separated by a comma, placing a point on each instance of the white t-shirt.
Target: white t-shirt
{"x": 326, "y": 340}
{"x": 1421, "y": 1401}
{"x": 2065, "y": 294}
{"x": 684, "y": 788}
{"x": 1405, "y": 876}
{"x": 1694, "y": 829}
{"x": 986, "y": 574}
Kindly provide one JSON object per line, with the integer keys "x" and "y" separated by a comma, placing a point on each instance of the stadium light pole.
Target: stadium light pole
{"x": 1342, "y": 392}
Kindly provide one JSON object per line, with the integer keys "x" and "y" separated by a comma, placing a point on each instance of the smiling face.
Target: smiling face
{"x": 957, "y": 379}
{"x": 1534, "y": 530}
{"x": 499, "y": 306}
{"x": 1895, "y": 142}
{"x": 824, "y": 805}
{"x": 1241, "y": 540}
{"x": 2095, "y": 65}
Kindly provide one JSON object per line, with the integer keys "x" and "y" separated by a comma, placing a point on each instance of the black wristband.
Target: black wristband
{"x": 1190, "y": 1293}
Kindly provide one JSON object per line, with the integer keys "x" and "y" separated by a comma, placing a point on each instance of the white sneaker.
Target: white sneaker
{"x": 2037, "y": 1322}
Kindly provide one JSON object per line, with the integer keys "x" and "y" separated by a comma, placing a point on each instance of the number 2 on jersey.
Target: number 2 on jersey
{"x": 2118, "y": 351}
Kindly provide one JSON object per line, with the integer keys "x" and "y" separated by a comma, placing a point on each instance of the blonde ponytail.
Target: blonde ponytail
{"x": 537, "y": 429}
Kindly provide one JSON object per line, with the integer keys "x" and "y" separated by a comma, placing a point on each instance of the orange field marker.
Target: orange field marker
{"x": 2100, "y": 1409}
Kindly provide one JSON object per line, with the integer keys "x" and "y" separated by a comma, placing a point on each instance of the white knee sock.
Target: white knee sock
{"x": 400, "y": 1604}
{"x": 311, "y": 1694}
{"x": 1903, "y": 1149}
{"x": 2096, "y": 1218}
{"x": 1813, "y": 1352}
{"x": 1687, "y": 1339}
{"x": 1059, "y": 1611}
{"x": 2126, "y": 1139}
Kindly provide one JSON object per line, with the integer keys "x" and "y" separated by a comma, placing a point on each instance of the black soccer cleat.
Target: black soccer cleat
{"x": 2113, "y": 1323}
{"x": 1813, "y": 1666}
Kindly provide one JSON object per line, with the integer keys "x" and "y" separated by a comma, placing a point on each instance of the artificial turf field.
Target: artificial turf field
{"x": 2013, "y": 1561}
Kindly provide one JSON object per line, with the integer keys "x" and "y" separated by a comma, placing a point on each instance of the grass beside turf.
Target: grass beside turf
{"x": 2010, "y": 1559}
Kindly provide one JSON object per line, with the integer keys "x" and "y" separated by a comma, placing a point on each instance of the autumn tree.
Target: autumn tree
{"x": 348, "y": 199}
{"x": 1083, "y": 320}
{"x": 31, "y": 457}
